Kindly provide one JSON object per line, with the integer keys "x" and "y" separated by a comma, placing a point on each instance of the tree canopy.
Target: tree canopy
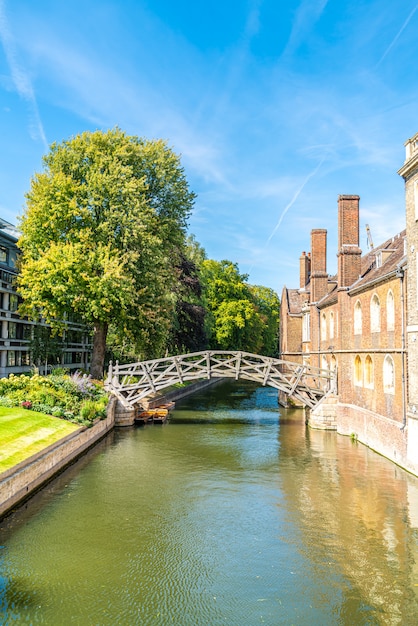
{"x": 102, "y": 229}
{"x": 240, "y": 316}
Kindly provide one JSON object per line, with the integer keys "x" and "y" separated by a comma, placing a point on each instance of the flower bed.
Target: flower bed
{"x": 76, "y": 398}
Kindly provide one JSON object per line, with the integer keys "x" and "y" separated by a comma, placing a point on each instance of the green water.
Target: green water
{"x": 233, "y": 513}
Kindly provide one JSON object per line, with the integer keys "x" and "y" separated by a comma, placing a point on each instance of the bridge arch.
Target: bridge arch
{"x": 133, "y": 382}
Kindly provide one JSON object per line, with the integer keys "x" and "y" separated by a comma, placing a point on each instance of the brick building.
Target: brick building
{"x": 16, "y": 334}
{"x": 363, "y": 321}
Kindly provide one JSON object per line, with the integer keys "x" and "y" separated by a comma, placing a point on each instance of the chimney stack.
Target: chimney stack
{"x": 349, "y": 253}
{"x": 305, "y": 269}
{"x": 319, "y": 276}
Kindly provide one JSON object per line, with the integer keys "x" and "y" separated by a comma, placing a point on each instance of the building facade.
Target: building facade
{"x": 363, "y": 322}
{"x": 17, "y": 333}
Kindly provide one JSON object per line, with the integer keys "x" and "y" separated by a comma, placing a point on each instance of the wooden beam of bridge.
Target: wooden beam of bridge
{"x": 133, "y": 382}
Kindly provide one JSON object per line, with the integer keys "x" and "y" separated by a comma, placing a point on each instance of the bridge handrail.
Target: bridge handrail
{"x": 134, "y": 381}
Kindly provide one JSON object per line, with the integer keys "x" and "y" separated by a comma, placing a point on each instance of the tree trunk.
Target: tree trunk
{"x": 99, "y": 349}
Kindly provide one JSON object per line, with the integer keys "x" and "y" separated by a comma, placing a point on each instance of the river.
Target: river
{"x": 232, "y": 513}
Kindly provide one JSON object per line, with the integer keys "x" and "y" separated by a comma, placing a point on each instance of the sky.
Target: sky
{"x": 276, "y": 107}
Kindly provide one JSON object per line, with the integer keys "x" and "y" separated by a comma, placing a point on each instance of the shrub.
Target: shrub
{"x": 68, "y": 397}
{"x": 7, "y": 402}
{"x": 57, "y": 411}
{"x": 41, "y": 408}
{"x": 93, "y": 409}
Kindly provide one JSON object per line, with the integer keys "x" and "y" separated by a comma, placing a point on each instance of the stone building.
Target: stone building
{"x": 17, "y": 333}
{"x": 363, "y": 322}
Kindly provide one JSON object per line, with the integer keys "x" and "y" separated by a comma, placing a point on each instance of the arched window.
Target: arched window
{"x": 388, "y": 375}
{"x": 375, "y": 314}
{"x": 323, "y": 326}
{"x": 368, "y": 371}
{"x": 331, "y": 325}
{"x": 358, "y": 320}
{"x": 306, "y": 327}
{"x": 390, "y": 311}
{"x": 358, "y": 371}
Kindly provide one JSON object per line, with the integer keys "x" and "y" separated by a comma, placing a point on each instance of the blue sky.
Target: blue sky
{"x": 276, "y": 108}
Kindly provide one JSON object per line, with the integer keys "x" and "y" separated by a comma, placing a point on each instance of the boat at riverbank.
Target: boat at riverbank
{"x": 157, "y": 415}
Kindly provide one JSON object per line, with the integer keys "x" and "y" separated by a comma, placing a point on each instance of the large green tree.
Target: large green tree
{"x": 101, "y": 231}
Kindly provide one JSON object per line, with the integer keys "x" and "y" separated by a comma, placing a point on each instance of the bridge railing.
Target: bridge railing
{"x": 133, "y": 382}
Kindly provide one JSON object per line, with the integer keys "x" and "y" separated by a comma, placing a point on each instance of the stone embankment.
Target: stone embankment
{"x": 20, "y": 482}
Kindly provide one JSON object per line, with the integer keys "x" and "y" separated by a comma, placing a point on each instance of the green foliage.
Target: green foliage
{"x": 188, "y": 329}
{"x": 58, "y": 395}
{"x": 240, "y": 316}
{"x": 45, "y": 346}
{"x": 100, "y": 234}
{"x": 268, "y": 306}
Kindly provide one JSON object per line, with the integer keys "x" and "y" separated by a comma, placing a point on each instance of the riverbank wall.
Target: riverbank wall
{"x": 20, "y": 482}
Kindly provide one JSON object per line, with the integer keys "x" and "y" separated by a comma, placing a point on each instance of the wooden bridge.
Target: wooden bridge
{"x": 134, "y": 382}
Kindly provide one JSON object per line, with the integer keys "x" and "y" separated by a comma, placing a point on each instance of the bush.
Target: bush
{"x": 7, "y": 402}
{"x": 93, "y": 409}
{"x": 57, "y": 411}
{"x": 73, "y": 398}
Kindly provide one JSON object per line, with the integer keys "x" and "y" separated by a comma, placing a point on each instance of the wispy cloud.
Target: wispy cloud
{"x": 398, "y": 34}
{"x": 21, "y": 79}
{"x": 307, "y": 15}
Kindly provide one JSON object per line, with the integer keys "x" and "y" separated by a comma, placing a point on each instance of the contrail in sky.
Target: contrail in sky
{"x": 293, "y": 200}
{"x": 20, "y": 79}
{"x": 291, "y": 203}
{"x": 404, "y": 25}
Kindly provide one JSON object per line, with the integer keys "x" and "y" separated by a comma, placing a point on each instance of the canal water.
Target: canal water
{"x": 232, "y": 513}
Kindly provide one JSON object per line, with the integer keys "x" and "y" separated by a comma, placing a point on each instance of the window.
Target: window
{"x": 368, "y": 371}
{"x": 331, "y": 325}
{"x": 13, "y": 302}
{"x": 12, "y": 330}
{"x": 11, "y": 358}
{"x": 358, "y": 371}
{"x": 25, "y": 358}
{"x": 306, "y": 327}
{"x": 27, "y": 332}
{"x": 375, "y": 314}
{"x": 358, "y": 318}
{"x": 390, "y": 311}
{"x": 3, "y": 254}
{"x": 388, "y": 375}
{"x": 323, "y": 326}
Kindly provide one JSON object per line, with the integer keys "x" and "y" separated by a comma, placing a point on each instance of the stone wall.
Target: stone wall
{"x": 377, "y": 432}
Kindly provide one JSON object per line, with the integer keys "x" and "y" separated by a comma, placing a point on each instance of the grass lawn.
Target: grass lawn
{"x": 23, "y": 433}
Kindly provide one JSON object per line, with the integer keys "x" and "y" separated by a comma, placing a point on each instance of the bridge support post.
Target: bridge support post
{"x": 124, "y": 416}
{"x": 324, "y": 415}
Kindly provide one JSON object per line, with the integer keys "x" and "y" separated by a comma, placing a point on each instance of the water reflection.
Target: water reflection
{"x": 354, "y": 512}
{"x": 234, "y": 513}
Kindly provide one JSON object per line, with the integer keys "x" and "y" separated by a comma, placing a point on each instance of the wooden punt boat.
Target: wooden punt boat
{"x": 158, "y": 415}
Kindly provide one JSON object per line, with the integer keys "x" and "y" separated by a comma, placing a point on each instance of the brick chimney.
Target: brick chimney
{"x": 349, "y": 253}
{"x": 305, "y": 269}
{"x": 319, "y": 276}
